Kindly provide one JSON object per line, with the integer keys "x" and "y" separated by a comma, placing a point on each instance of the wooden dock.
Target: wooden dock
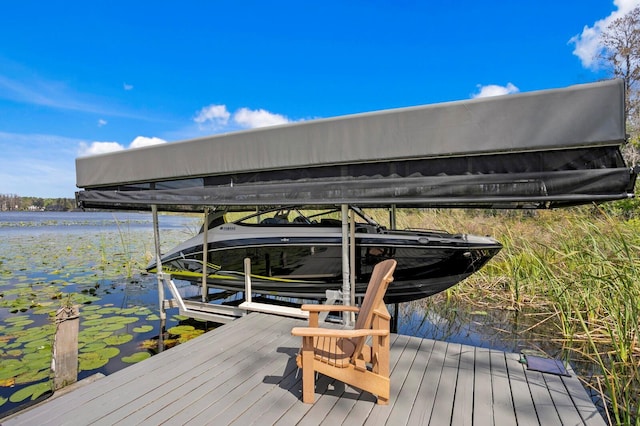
{"x": 244, "y": 373}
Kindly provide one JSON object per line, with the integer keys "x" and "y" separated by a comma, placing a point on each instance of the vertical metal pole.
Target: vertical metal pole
{"x": 392, "y": 217}
{"x": 247, "y": 280}
{"x": 396, "y": 306}
{"x": 352, "y": 262}
{"x": 346, "y": 285}
{"x": 205, "y": 254}
{"x": 394, "y": 318}
{"x": 156, "y": 238}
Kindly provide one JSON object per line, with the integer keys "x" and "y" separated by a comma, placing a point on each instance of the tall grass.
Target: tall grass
{"x": 580, "y": 270}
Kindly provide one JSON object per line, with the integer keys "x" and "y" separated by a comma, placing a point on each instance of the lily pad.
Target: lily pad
{"x": 181, "y": 329}
{"x": 135, "y": 357}
{"x": 33, "y": 376}
{"x": 33, "y": 391}
{"x": 110, "y": 352}
{"x": 93, "y": 346}
{"x": 8, "y": 373}
{"x": 143, "y": 329}
{"x": 91, "y": 361}
{"x": 118, "y": 339}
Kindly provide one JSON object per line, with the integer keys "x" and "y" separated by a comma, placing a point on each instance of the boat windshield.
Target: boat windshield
{"x": 214, "y": 219}
{"x": 296, "y": 215}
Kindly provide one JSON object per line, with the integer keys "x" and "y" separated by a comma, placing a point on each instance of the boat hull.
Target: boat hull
{"x": 305, "y": 266}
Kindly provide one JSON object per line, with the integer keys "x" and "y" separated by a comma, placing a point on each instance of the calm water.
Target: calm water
{"x": 77, "y": 222}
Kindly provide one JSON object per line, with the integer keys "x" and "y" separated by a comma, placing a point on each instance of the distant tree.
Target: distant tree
{"x": 621, "y": 52}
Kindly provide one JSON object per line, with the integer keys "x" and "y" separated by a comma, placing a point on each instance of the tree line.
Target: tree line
{"x": 9, "y": 202}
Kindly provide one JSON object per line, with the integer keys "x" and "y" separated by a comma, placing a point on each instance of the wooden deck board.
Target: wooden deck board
{"x": 244, "y": 373}
{"x": 562, "y": 401}
{"x": 429, "y": 386}
{"x": 443, "y": 406}
{"x": 522, "y": 400}
{"x": 542, "y": 399}
{"x": 409, "y": 389}
{"x": 581, "y": 400}
{"x": 380, "y": 413}
{"x": 503, "y": 411}
{"x": 463, "y": 402}
{"x": 482, "y": 395}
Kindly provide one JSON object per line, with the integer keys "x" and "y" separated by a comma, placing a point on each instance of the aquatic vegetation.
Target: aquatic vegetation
{"x": 185, "y": 332}
{"x": 136, "y": 357}
{"x": 143, "y": 329}
{"x": 41, "y": 271}
{"x": 33, "y": 392}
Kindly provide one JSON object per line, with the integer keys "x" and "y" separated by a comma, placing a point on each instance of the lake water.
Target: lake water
{"x": 91, "y": 259}
{"x": 95, "y": 260}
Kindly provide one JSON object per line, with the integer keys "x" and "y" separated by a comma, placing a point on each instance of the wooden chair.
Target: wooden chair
{"x": 344, "y": 354}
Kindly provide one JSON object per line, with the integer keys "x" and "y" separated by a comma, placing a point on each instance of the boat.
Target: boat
{"x": 297, "y": 253}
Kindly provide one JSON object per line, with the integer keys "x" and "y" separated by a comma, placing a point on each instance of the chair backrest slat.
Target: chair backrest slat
{"x": 381, "y": 276}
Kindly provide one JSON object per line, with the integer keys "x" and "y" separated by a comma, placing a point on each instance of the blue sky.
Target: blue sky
{"x": 78, "y": 78}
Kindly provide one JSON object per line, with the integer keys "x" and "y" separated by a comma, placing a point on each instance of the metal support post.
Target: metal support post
{"x": 346, "y": 285}
{"x": 205, "y": 255}
{"x": 156, "y": 238}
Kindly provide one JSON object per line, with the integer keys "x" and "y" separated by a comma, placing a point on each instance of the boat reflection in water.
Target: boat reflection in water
{"x": 298, "y": 253}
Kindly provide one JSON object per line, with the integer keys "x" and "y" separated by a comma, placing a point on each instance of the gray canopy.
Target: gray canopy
{"x": 539, "y": 149}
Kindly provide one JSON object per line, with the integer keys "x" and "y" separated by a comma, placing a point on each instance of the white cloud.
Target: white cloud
{"x": 251, "y": 119}
{"x": 216, "y": 118}
{"x": 127, "y": 87}
{"x": 495, "y": 90}
{"x": 102, "y": 122}
{"x": 141, "y": 141}
{"x": 587, "y": 43}
{"x": 98, "y": 148}
{"x": 213, "y": 116}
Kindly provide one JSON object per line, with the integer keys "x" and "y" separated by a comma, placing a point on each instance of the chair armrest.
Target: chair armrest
{"x": 382, "y": 313}
{"x": 328, "y": 332}
{"x": 329, "y": 308}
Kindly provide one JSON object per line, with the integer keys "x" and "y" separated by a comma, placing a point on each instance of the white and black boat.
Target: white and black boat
{"x": 296, "y": 253}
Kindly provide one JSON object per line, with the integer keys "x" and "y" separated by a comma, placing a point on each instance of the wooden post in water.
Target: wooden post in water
{"x": 64, "y": 362}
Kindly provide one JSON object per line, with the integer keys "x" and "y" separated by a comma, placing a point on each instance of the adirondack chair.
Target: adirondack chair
{"x": 344, "y": 354}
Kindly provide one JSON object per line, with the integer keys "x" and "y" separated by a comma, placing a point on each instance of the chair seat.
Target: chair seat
{"x": 336, "y": 352}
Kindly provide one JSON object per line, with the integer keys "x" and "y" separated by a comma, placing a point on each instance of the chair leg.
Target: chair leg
{"x": 308, "y": 376}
